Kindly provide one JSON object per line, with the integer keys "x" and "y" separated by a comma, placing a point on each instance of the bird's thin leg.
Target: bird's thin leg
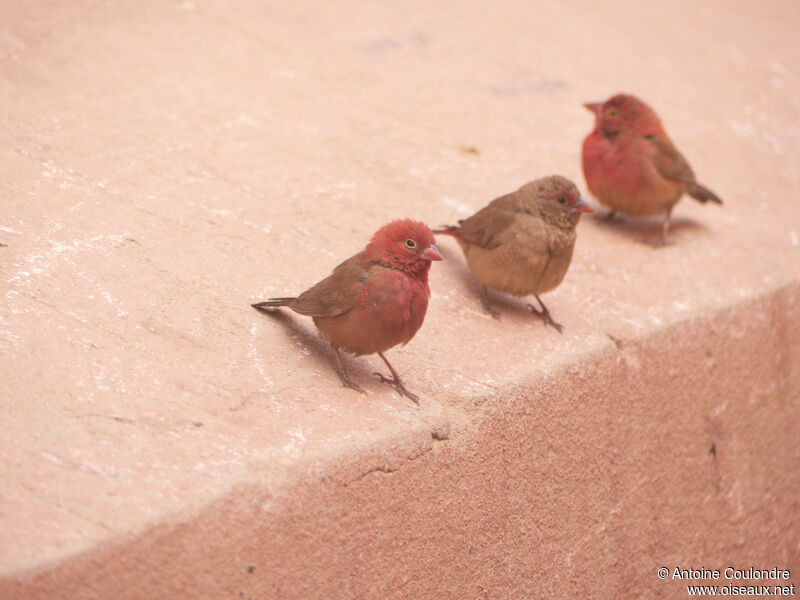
{"x": 665, "y": 228}
{"x": 544, "y": 315}
{"x": 337, "y": 359}
{"x": 662, "y": 241}
{"x": 486, "y": 304}
{"x": 395, "y": 381}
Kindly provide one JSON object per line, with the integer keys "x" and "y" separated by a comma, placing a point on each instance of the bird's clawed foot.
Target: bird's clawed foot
{"x": 395, "y": 382}
{"x": 661, "y": 242}
{"x": 398, "y": 385}
{"x": 487, "y": 305}
{"x": 346, "y": 381}
{"x": 544, "y": 315}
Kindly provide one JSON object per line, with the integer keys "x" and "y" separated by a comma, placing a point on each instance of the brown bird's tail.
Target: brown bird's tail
{"x": 450, "y": 230}
{"x": 273, "y": 303}
{"x": 701, "y": 194}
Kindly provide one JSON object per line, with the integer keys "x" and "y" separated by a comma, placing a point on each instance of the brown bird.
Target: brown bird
{"x": 521, "y": 243}
{"x": 374, "y": 300}
{"x": 632, "y": 166}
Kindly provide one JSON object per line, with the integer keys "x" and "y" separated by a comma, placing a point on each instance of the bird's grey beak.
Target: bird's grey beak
{"x": 431, "y": 253}
{"x": 594, "y": 107}
{"x": 581, "y": 206}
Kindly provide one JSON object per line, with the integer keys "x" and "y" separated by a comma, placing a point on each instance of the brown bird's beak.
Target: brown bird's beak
{"x": 594, "y": 107}
{"x": 581, "y": 206}
{"x": 431, "y": 253}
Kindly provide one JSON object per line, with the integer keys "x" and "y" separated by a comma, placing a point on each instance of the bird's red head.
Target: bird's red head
{"x": 404, "y": 244}
{"x": 624, "y": 112}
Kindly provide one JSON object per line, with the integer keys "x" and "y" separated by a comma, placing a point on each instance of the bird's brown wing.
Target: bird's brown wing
{"x": 672, "y": 165}
{"x": 485, "y": 227}
{"x": 669, "y": 161}
{"x": 337, "y": 293}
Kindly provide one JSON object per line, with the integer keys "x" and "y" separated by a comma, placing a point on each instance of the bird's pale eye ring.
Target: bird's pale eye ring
{"x": 410, "y": 244}
{"x": 561, "y": 200}
{"x": 612, "y": 113}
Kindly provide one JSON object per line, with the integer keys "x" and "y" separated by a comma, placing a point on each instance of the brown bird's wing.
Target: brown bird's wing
{"x": 672, "y": 165}
{"x": 336, "y": 294}
{"x": 485, "y": 227}
{"x": 669, "y": 161}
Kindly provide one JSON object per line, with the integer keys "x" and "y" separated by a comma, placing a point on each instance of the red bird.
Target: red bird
{"x": 632, "y": 166}
{"x": 374, "y": 300}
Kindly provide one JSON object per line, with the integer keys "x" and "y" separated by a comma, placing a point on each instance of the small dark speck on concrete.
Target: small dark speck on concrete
{"x": 470, "y": 150}
{"x": 251, "y": 568}
{"x": 197, "y": 423}
{"x": 713, "y": 449}
{"x": 618, "y": 342}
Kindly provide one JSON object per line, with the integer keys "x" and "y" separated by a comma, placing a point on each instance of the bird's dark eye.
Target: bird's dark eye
{"x": 410, "y": 244}
{"x": 612, "y": 112}
{"x": 561, "y": 200}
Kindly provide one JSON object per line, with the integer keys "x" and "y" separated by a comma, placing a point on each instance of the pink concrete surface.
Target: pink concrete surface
{"x": 165, "y": 164}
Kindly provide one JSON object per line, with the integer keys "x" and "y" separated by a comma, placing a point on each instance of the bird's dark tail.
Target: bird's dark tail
{"x": 701, "y": 193}
{"x": 450, "y": 230}
{"x": 273, "y": 303}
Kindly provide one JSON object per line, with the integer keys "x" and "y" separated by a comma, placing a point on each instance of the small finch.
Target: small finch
{"x": 373, "y": 300}
{"x": 632, "y": 166}
{"x": 522, "y": 243}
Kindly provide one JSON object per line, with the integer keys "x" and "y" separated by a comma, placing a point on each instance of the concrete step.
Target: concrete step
{"x": 168, "y": 164}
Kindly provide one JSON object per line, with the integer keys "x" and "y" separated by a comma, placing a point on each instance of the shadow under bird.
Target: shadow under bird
{"x": 522, "y": 243}
{"x": 374, "y": 300}
{"x": 632, "y": 166}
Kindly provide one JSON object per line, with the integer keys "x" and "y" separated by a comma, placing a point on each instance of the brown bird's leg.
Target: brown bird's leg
{"x": 337, "y": 358}
{"x": 544, "y": 315}
{"x": 662, "y": 241}
{"x": 395, "y": 381}
{"x": 487, "y": 306}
